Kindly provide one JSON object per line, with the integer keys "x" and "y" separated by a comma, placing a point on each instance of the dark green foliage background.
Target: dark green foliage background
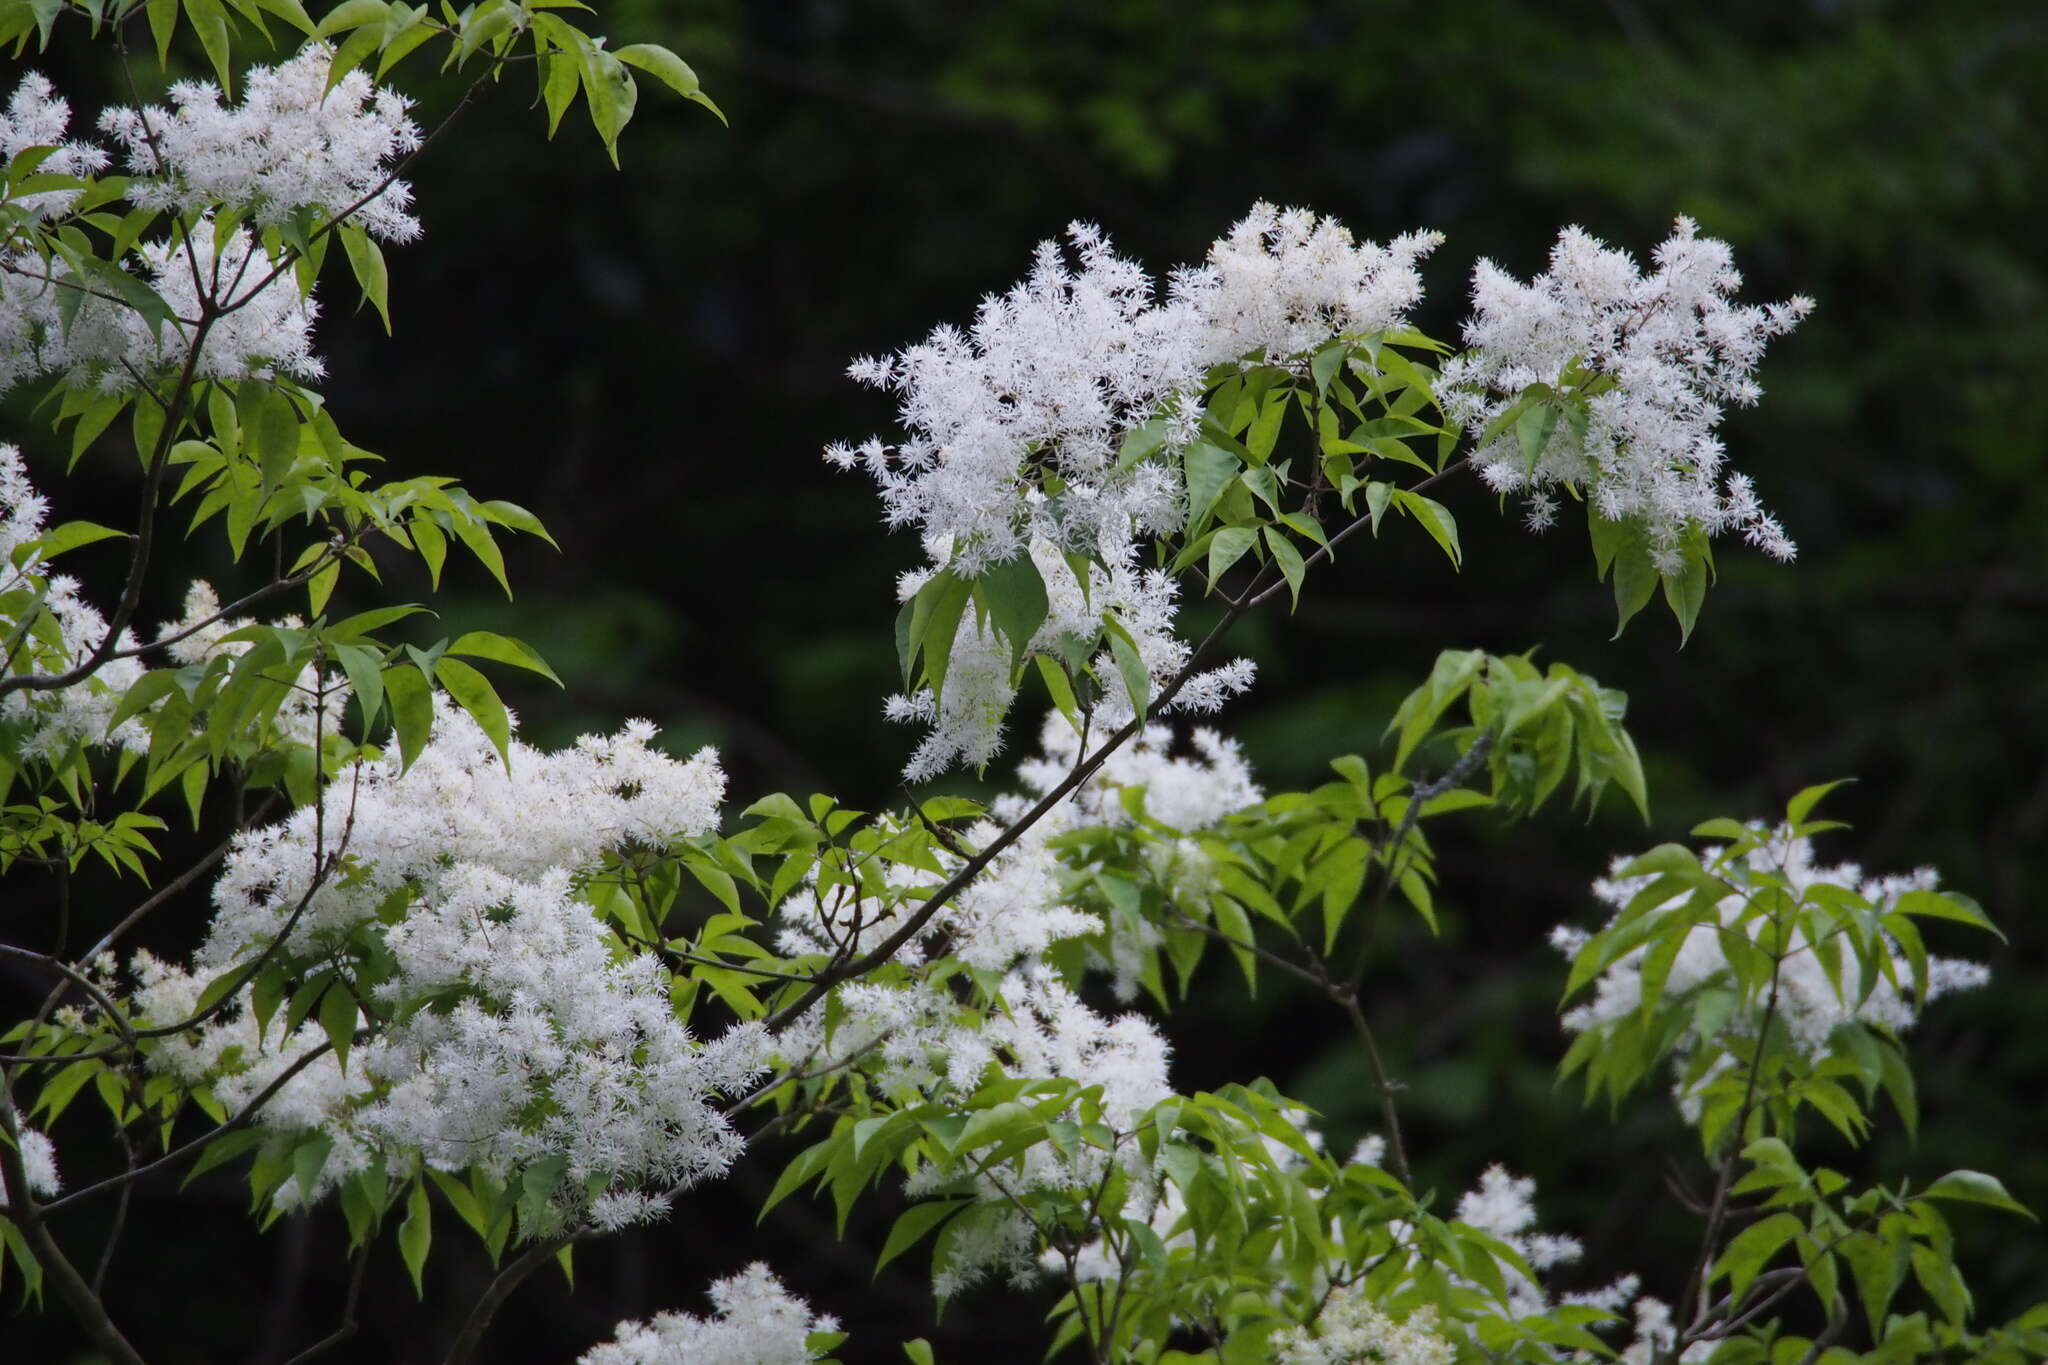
{"x": 651, "y": 361}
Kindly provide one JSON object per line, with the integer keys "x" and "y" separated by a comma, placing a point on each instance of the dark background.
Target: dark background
{"x": 651, "y": 360}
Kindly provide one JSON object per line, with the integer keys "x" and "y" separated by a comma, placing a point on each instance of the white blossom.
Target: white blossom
{"x": 48, "y": 721}
{"x": 37, "y": 116}
{"x": 1284, "y": 282}
{"x": 262, "y": 326}
{"x": 291, "y": 143}
{"x": 1663, "y": 353}
{"x": 1017, "y": 433}
{"x": 1807, "y": 1002}
{"x": 1352, "y": 1330}
{"x": 521, "y": 1035}
{"x": 758, "y": 1322}
{"x": 966, "y": 726}
{"x": 38, "y": 1163}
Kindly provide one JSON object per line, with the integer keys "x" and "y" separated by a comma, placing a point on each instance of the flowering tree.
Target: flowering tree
{"x": 553, "y": 992}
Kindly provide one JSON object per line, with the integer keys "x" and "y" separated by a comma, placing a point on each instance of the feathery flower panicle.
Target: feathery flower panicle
{"x": 1056, "y": 373}
{"x": 38, "y": 1163}
{"x": 266, "y": 330}
{"x": 1809, "y": 1004}
{"x": 758, "y": 1322}
{"x": 37, "y": 116}
{"x": 1352, "y": 1330}
{"x": 1663, "y": 353}
{"x": 523, "y": 1031}
{"x": 1283, "y": 282}
{"x": 48, "y": 722}
{"x": 1014, "y": 430}
{"x": 1049, "y": 380}
{"x": 966, "y": 726}
{"x": 291, "y": 143}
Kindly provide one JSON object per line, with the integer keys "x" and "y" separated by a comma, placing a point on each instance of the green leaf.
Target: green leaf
{"x": 1289, "y": 560}
{"x": 1228, "y": 546}
{"x": 416, "y": 1235}
{"x": 71, "y": 535}
{"x": 210, "y": 22}
{"x": 270, "y": 428}
{"x": 915, "y": 1223}
{"x": 1686, "y": 590}
{"x": 1129, "y": 665}
{"x": 352, "y": 14}
{"x": 610, "y": 93}
{"x": 1946, "y": 905}
{"x": 1975, "y": 1187}
{"x": 1753, "y": 1247}
{"x": 1208, "y": 470}
{"x": 366, "y": 259}
{"x": 473, "y": 692}
{"x": 1435, "y": 519}
{"x": 338, "y": 1019}
{"x": 1014, "y": 594}
{"x": 1801, "y": 806}
{"x": 412, "y": 710}
{"x": 928, "y": 627}
{"x": 1533, "y": 430}
{"x": 658, "y": 61}
{"x": 486, "y": 644}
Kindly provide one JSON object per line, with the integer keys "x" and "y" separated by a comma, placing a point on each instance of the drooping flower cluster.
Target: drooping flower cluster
{"x": 261, "y": 325}
{"x": 291, "y": 143}
{"x": 1283, "y": 282}
{"x": 1662, "y": 353}
{"x": 1352, "y": 1330}
{"x": 1807, "y": 1000}
{"x": 46, "y": 721}
{"x": 1039, "y": 430}
{"x": 916, "y": 1040}
{"x": 966, "y": 724}
{"x": 38, "y": 1163}
{"x": 37, "y": 116}
{"x": 520, "y": 1030}
{"x": 1055, "y": 374}
{"x": 758, "y": 1322}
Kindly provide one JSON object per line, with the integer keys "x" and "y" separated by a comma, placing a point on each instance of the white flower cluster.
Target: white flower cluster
{"x": 517, "y": 1029}
{"x": 47, "y": 722}
{"x": 1284, "y": 281}
{"x": 1055, "y": 374}
{"x": 291, "y": 143}
{"x": 1809, "y": 1004}
{"x": 1504, "y": 1206}
{"x": 38, "y": 1163}
{"x": 1050, "y": 379}
{"x": 1016, "y": 428}
{"x": 317, "y": 701}
{"x": 1352, "y": 1330}
{"x": 262, "y": 328}
{"x": 1046, "y": 1031}
{"x": 758, "y": 1322}
{"x": 966, "y": 725}
{"x": 1666, "y": 351}
{"x": 913, "y": 1040}
{"x": 37, "y": 116}
{"x": 1014, "y": 911}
